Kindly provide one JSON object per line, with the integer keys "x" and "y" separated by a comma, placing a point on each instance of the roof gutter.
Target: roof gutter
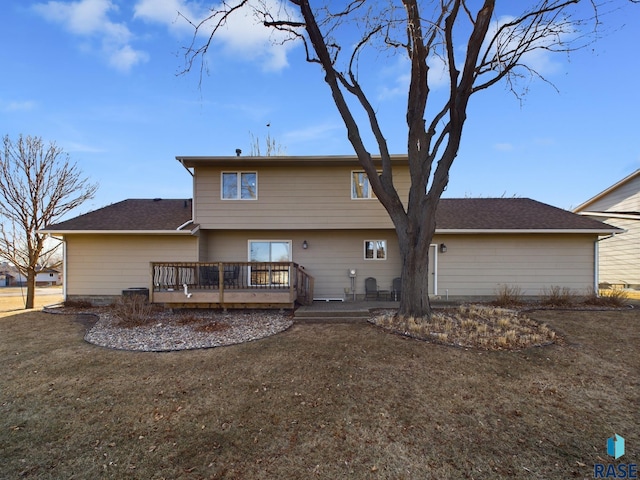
{"x": 461, "y": 231}
{"x": 121, "y": 232}
{"x": 181, "y": 160}
{"x": 629, "y": 216}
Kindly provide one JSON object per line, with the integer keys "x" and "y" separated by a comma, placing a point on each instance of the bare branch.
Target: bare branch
{"x": 477, "y": 50}
{"x": 38, "y": 185}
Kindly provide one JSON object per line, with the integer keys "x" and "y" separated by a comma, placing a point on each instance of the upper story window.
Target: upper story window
{"x": 360, "y": 187}
{"x": 239, "y": 185}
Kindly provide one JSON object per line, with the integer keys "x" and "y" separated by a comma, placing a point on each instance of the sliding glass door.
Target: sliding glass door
{"x": 268, "y": 252}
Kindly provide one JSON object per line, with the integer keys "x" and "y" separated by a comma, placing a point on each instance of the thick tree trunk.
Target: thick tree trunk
{"x": 415, "y": 284}
{"x": 414, "y": 253}
{"x": 31, "y": 288}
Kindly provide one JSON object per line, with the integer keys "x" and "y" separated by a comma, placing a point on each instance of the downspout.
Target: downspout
{"x": 64, "y": 267}
{"x": 184, "y": 224}
{"x": 193, "y": 188}
{"x": 596, "y": 269}
{"x": 185, "y": 167}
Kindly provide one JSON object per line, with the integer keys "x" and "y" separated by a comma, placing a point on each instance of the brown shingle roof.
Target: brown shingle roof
{"x": 509, "y": 214}
{"x": 131, "y": 215}
{"x": 454, "y": 214}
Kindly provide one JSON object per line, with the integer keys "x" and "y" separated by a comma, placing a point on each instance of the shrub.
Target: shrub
{"x": 78, "y": 304}
{"x": 508, "y": 296}
{"x": 471, "y": 326}
{"x": 611, "y": 297}
{"x": 556, "y": 296}
{"x": 133, "y": 311}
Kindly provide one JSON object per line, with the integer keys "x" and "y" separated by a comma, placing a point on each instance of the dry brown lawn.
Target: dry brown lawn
{"x": 13, "y": 298}
{"x": 317, "y": 401}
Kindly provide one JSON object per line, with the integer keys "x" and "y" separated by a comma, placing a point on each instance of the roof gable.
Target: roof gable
{"x": 623, "y": 196}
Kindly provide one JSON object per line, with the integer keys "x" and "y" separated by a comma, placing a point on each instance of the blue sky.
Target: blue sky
{"x": 100, "y": 78}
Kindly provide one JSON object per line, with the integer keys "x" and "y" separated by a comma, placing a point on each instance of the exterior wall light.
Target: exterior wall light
{"x": 305, "y": 245}
{"x": 443, "y": 248}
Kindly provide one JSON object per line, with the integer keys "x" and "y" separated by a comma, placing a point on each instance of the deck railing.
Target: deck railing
{"x": 221, "y": 276}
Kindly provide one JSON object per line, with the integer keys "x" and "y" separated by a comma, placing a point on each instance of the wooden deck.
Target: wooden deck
{"x": 231, "y": 284}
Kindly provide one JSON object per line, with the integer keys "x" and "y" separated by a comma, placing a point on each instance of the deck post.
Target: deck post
{"x": 152, "y": 286}
{"x": 293, "y": 281}
{"x": 221, "y": 283}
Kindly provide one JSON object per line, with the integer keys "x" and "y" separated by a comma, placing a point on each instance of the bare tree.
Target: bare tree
{"x": 38, "y": 185}
{"x": 475, "y": 49}
{"x": 272, "y": 147}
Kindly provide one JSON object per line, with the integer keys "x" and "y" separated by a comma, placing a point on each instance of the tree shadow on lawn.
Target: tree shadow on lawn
{"x": 325, "y": 401}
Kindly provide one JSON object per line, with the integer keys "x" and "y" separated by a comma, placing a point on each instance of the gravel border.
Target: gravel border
{"x": 167, "y": 334}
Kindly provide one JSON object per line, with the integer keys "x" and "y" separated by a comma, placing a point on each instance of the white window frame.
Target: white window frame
{"x": 371, "y": 195}
{"x": 375, "y": 258}
{"x": 239, "y": 174}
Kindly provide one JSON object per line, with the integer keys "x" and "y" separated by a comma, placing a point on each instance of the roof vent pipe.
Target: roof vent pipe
{"x": 238, "y": 152}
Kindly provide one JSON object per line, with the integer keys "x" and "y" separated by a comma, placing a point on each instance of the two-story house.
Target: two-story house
{"x": 618, "y": 205}
{"x": 274, "y": 230}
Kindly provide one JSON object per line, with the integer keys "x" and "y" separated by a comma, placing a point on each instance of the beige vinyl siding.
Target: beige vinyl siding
{"x": 107, "y": 264}
{"x": 311, "y": 197}
{"x": 625, "y": 198}
{"x": 620, "y": 254}
{"x": 328, "y": 259}
{"x": 480, "y": 264}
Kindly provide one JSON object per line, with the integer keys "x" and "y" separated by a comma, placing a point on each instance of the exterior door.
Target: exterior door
{"x": 433, "y": 270}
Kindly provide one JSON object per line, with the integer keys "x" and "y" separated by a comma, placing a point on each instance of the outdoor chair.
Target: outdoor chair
{"x": 209, "y": 276}
{"x": 371, "y": 290}
{"x": 231, "y": 274}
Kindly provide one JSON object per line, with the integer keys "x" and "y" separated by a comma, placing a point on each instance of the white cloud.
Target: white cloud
{"x": 82, "y": 148}
{"x": 167, "y": 12}
{"x": 92, "y": 19}
{"x": 438, "y": 72}
{"x": 538, "y": 57}
{"x": 125, "y": 57}
{"x": 19, "y": 106}
{"x": 311, "y": 133}
{"x": 243, "y": 35}
{"x": 503, "y": 147}
{"x": 84, "y": 17}
{"x": 398, "y": 76}
{"x": 400, "y": 73}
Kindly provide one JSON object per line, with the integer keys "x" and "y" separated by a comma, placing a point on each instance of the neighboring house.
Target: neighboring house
{"x": 47, "y": 277}
{"x": 619, "y": 254}
{"x": 6, "y": 279}
{"x": 272, "y": 230}
{"x": 10, "y": 276}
